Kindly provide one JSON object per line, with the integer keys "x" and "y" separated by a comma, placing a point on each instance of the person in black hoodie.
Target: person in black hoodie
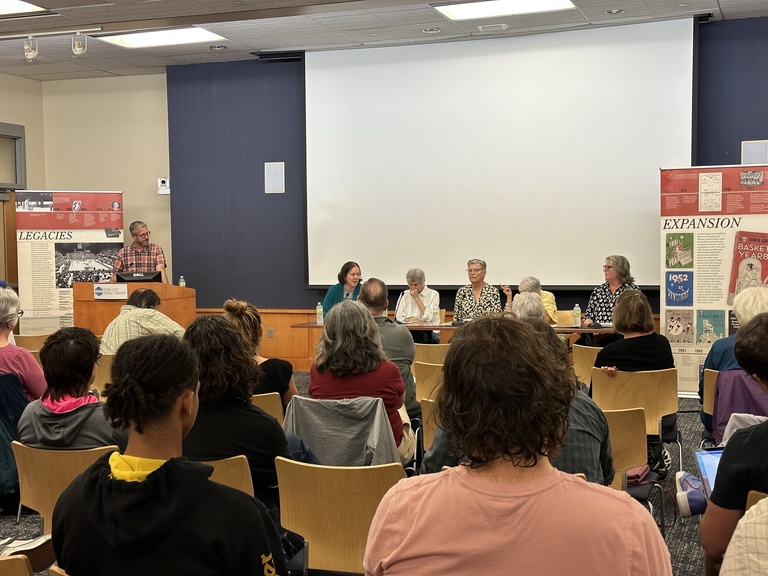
{"x": 150, "y": 511}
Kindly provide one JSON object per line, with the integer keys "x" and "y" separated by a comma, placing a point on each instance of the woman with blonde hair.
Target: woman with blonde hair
{"x": 277, "y": 374}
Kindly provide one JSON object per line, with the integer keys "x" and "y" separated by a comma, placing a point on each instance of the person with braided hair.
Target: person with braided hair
{"x": 150, "y": 510}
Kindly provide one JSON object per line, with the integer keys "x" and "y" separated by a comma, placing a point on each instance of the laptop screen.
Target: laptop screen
{"x": 707, "y": 461}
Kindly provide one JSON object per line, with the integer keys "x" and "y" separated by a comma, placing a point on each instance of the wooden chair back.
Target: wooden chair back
{"x": 16, "y": 565}
{"x": 626, "y": 429}
{"x": 36, "y": 354}
{"x": 754, "y": 496}
{"x": 30, "y": 341}
{"x": 271, "y": 403}
{"x": 428, "y": 378}
{"x": 44, "y": 474}
{"x": 710, "y": 381}
{"x": 431, "y": 353}
{"x": 442, "y": 315}
{"x": 332, "y": 508}
{"x": 584, "y": 361}
{"x": 56, "y": 571}
{"x": 233, "y": 472}
{"x": 102, "y": 372}
{"x": 428, "y": 423}
{"x": 565, "y": 317}
{"x": 653, "y": 390}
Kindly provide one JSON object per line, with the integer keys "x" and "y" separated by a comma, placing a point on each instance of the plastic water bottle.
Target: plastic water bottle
{"x": 319, "y": 311}
{"x": 182, "y": 282}
{"x": 436, "y": 317}
{"x": 576, "y": 315}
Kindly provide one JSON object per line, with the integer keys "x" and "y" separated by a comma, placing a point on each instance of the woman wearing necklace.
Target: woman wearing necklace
{"x": 478, "y": 298}
{"x": 348, "y": 287}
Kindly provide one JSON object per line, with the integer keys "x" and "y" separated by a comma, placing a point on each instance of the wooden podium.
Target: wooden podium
{"x": 179, "y": 304}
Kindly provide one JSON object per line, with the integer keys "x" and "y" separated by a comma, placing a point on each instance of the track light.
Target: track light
{"x": 79, "y": 44}
{"x": 30, "y": 49}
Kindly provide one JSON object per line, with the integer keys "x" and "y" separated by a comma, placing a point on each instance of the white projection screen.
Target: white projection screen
{"x": 539, "y": 154}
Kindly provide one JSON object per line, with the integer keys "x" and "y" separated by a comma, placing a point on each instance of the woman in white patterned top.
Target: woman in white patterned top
{"x": 478, "y": 298}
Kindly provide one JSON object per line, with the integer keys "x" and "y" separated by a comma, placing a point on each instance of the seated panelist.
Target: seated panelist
{"x": 478, "y": 298}
{"x": 532, "y": 284}
{"x": 419, "y": 304}
{"x": 348, "y": 287}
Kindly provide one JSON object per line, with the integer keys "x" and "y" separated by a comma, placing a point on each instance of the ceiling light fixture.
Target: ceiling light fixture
{"x": 30, "y": 49}
{"x": 170, "y": 37}
{"x": 431, "y": 30}
{"x": 79, "y": 44}
{"x": 497, "y": 8}
{"x": 217, "y": 47}
{"x": 614, "y": 11}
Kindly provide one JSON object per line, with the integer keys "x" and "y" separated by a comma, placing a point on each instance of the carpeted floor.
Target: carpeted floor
{"x": 682, "y": 538}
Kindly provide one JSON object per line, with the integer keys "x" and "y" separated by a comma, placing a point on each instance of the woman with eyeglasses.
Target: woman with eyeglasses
{"x": 478, "y": 298}
{"x": 14, "y": 359}
{"x": 617, "y": 279}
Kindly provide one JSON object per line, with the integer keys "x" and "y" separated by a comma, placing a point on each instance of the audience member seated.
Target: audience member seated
{"x": 586, "y": 445}
{"x": 746, "y": 554}
{"x": 419, "y": 304}
{"x": 68, "y": 415}
{"x": 227, "y": 423}
{"x": 138, "y": 317}
{"x": 505, "y": 404}
{"x": 528, "y": 306}
{"x": 395, "y": 340}
{"x": 478, "y": 298}
{"x": 351, "y": 363}
{"x": 14, "y": 359}
{"x": 532, "y": 284}
{"x": 149, "y": 510}
{"x": 348, "y": 287}
{"x": 276, "y": 374}
{"x": 746, "y": 305}
{"x": 743, "y": 466}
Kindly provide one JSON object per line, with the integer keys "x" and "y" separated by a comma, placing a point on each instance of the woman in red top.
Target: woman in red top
{"x": 350, "y": 363}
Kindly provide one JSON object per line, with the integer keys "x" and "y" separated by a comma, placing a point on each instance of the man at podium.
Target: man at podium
{"x": 141, "y": 255}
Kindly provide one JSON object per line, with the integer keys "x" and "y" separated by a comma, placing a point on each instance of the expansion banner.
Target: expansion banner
{"x": 63, "y": 237}
{"x": 714, "y": 238}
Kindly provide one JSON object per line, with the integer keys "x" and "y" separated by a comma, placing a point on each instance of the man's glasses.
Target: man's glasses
{"x": 145, "y": 235}
{"x": 20, "y": 313}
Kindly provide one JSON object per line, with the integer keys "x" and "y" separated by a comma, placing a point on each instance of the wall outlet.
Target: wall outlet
{"x": 270, "y": 332}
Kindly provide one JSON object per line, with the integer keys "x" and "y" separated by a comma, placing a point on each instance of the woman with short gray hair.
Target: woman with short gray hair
{"x": 478, "y": 298}
{"x": 528, "y": 306}
{"x": 14, "y": 359}
{"x": 419, "y": 304}
{"x": 532, "y": 284}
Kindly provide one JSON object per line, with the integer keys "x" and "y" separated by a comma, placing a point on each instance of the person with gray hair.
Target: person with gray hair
{"x": 532, "y": 284}
{"x": 141, "y": 255}
{"x": 528, "y": 306}
{"x": 138, "y": 317}
{"x": 14, "y": 359}
{"x": 746, "y": 305}
{"x": 603, "y": 298}
{"x": 478, "y": 298}
{"x": 351, "y": 362}
{"x": 419, "y": 304}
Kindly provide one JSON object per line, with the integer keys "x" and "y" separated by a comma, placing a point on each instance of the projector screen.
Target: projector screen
{"x": 539, "y": 154}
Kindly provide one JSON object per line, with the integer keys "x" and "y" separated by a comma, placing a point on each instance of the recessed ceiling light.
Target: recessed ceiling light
{"x": 172, "y": 37}
{"x": 18, "y": 7}
{"x": 495, "y": 8}
{"x": 431, "y": 30}
{"x": 615, "y": 11}
{"x": 373, "y": 34}
{"x": 683, "y": 5}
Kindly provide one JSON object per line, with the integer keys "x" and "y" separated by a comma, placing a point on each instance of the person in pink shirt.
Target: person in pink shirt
{"x": 505, "y": 399}
{"x": 14, "y": 359}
